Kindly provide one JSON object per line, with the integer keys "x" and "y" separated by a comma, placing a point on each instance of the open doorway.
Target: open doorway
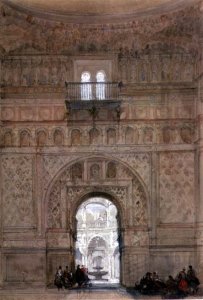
{"x": 97, "y": 246}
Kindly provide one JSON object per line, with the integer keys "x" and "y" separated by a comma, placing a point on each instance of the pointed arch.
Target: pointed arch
{"x": 8, "y": 138}
{"x": 75, "y": 193}
{"x": 25, "y": 137}
{"x": 58, "y": 137}
{"x": 94, "y": 136}
{"x": 65, "y": 195}
{"x": 41, "y": 137}
{"x": 129, "y": 135}
{"x": 76, "y": 137}
{"x": 111, "y": 136}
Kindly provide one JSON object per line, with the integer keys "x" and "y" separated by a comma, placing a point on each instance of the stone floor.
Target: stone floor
{"x": 95, "y": 293}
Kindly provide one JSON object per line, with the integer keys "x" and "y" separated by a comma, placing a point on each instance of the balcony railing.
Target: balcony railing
{"x": 92, "y": 91}
{"x": 95, "y": 97}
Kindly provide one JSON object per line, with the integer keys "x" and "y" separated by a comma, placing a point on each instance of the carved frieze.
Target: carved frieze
{"x": 120, "y": 192}
{"x": 30, "y": 58}
{"x": 26, "y": 75}
{"x": 35, "y": 35}
{"x": 126, "y": 189}
{"x": 160, "y": 133}
{"x": 33, "y": 71}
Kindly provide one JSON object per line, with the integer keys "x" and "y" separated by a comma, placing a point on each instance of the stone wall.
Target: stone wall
{"x": 146, "y": 161}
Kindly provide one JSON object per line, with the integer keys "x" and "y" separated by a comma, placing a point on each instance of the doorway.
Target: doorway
{"x": 97, "y": 243}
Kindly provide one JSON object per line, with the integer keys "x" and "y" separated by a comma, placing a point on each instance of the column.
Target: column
{"x": 1, "y": 204}
{"x": 154, "y": 196}
{"x": 1, "y": 226}
{"x": 199, "y": 169}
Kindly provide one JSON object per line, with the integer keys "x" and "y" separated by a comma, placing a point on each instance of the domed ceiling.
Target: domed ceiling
{"x": 87, "y": 11}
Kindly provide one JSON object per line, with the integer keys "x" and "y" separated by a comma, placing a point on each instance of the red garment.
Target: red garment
{"x": 183, "y": 285}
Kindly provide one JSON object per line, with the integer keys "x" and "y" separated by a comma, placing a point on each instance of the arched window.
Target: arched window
{"x": 100, "y": 87}
{"x": 86, "y": 89}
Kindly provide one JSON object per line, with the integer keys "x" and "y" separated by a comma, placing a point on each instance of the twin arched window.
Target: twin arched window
{"x": 91, "y": 88}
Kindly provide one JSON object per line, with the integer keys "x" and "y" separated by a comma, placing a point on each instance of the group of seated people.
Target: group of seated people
{"x": 185, "y": 283}
{"x": 66, "y": 279}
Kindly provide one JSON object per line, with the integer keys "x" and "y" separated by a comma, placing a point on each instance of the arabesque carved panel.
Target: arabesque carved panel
{"x": 140, "y": 163}
{"x": 52, "y": 164}
{"x": 18, "y": 202}
{"x": 176, "y": 187}
{"x": 119, "y": 188}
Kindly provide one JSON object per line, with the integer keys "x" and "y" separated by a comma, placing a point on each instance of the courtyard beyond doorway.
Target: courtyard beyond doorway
{"x": 97, "y": 246}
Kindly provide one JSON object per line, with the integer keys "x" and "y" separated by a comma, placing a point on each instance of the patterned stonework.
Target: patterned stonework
{"x": 139, "y": 204}
{"x": 18, "y": 202}
{"x": 140, "y": 163}
{"x": 17, "y": 78}
{"x": 123, "y": 186}
{"x": 52, "y": 164}
{"x": 176, "y": 190}
{"x": 160, "y": 133}
{"x": 138, "y": 238}
{"x": 74, "y": 193}
{"x": 54, "y": 207}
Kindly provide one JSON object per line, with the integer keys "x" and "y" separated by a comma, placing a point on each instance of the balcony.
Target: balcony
{"x": 94, "y": 97}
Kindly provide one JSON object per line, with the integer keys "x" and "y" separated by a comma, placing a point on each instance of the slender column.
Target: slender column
{"x": 1, "y": 225}
{"x": 38, "y": 195}
{"x": 199, "y": 233}
{"x": 200, "y": 203}
{"x": 154, "y": 196}
{"x": 1, "y": 204}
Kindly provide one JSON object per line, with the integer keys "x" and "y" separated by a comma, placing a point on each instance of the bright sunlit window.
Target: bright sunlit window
{"x": 86, "y": 88}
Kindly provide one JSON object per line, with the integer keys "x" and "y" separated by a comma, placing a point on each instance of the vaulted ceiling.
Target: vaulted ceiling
{"x": 85, "y": 11}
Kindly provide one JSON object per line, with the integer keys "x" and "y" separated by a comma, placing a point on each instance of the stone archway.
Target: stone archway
{"x": 98, "y": 176}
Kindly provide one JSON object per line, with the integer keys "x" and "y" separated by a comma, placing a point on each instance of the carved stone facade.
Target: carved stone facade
{"x": 148, "y": 162}
{"x": 17, "y": 192}
{"x": 177, "y": 186}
